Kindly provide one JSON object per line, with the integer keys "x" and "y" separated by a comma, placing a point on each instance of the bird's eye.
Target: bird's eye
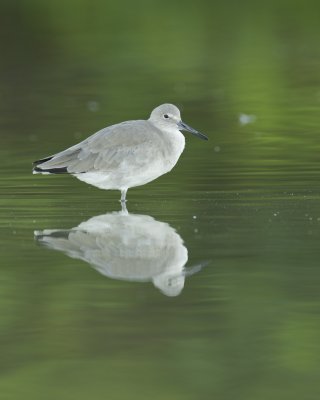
{"x": 166, "y": 116}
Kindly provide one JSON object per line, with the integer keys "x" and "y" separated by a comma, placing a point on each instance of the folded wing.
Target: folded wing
{"x": 106, "y": 150}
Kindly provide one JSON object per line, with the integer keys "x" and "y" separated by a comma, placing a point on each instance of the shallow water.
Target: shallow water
{"x": 210, "y": 286}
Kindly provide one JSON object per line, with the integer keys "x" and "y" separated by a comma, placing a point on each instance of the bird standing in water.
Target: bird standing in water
{"x": 124, "y": 155}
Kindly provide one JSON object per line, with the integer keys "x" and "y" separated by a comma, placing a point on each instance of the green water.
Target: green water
{"x": 244, "y": 205}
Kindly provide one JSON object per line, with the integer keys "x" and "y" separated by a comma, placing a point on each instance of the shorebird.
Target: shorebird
{"x": 125, "y": 155}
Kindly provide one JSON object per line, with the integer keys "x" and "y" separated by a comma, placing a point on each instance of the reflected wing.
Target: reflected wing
{"x": 106, "y": 150}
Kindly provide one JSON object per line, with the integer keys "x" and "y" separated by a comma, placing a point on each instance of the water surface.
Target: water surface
{"x": 241, "y": 211}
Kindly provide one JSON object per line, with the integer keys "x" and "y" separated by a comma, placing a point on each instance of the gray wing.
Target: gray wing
{"x": 108, "y": 149}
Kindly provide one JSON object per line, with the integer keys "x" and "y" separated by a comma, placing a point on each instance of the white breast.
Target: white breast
{"x": 174, "y": 143}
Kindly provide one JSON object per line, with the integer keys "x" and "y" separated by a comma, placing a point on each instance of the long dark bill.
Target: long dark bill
{"x": 184, "y": 127}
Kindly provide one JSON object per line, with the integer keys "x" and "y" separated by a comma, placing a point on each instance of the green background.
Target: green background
{"x": 247, "y": 325}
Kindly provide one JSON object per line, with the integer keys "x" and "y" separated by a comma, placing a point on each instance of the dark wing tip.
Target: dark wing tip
{"x": 37, "y": 167}
{"x": 35, "y": 163}
{"x": 62, "y": 170}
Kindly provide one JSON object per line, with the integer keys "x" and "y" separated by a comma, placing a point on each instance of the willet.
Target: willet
{"x": 124, "y": 155}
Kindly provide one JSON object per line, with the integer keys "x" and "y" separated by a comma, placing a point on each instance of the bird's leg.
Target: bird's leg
{"x": 123, "y": 200}
{"x": 124, "y": 210}
{"x": 123, "y": 195}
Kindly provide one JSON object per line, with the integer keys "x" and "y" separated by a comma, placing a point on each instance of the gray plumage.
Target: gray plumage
{"x": 124, "y": 155}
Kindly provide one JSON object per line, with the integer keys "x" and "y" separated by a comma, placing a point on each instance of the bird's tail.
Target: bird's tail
{"x": 57, "y": 163}
{"x": 51, "y": 165}
{"x": 39, "y": 168}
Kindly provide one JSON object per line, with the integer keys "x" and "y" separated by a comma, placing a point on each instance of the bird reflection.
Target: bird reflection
{"x": 126, "y": 246}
